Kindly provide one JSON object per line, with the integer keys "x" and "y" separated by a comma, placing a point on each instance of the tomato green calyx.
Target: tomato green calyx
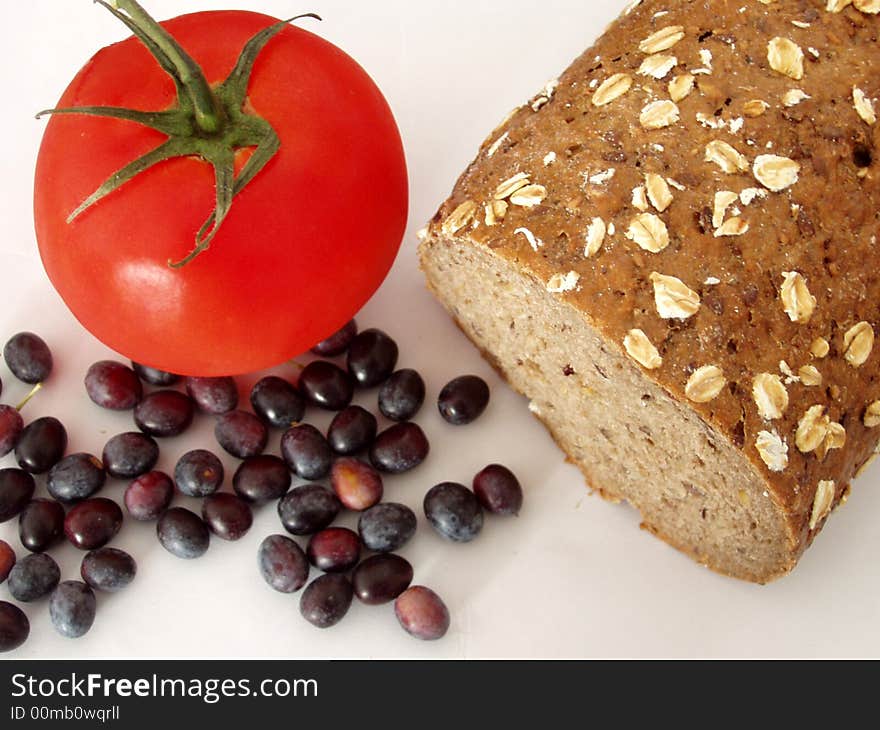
{"x": 205, "y": 122}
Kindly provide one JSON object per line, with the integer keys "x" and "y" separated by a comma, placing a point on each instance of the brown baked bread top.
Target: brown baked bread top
{"x": 702, "y": 187}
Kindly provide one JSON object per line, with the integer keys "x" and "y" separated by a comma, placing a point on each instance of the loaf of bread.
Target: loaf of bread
{"x": 672, "y": 252}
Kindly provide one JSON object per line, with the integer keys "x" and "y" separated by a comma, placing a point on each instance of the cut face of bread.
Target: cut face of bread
{"x": 631, "y": 439}
{"x": 672, "y": 251}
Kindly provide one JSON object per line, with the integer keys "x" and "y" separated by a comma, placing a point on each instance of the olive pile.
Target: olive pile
{"x": 354, "y": 458}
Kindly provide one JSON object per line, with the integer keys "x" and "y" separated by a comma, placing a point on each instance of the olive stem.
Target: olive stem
{"x": 192, "y": 78}
{"x": 36, "y": 389}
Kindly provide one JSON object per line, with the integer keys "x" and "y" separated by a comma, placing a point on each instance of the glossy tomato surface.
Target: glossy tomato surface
{"x": 305, "y": 245}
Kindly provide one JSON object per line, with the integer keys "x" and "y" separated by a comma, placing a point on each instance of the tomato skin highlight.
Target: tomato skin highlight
{"x": 305, "y": 245}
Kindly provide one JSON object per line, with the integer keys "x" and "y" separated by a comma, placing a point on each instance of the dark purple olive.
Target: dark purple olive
{"x": 326, "y": 600}
{"x": 308, "y": 509}
{"x": 261, "y": 479}
{"x": 28, "y": 357}
{"x": 183, "y": 533}
{"x": 463, "y": 400}
{"x": 16, "y": 491}
{"x": 33, "y": 577}
{"x": 148, "y": 496}
{"x": 164, "y": 413}
{"x": 422, "y": 613}
{"x": 72, "y": 609}
{"x": 198, "y": 473}
{"x": 334, "y": 550}
{"x": 41, "y": 445}
{"x": 399, "y": 449}
{"x": 387, "y": 527}
{"x": 214, "y": 396}
{"x": 454, "y": 511}
{"x": 307, "y": 452}
{"x": 14, "y": 627}
{"x": 402, "y": 395}
{"x": 498, "y": 490}
{"x": 7, "y": 560}
{"x": 153, "y": 376}
{"x": 381, "y": 578}
{"x": 108, "y": 569}
{"x": 113, "y": 386}
{"x": 277, "y": 402}
{"x": 351, "y": 431}
{"x": 76, "y": 477}
{"x": 326, "y": 385}
{"x": 41, "y": 525}
{"x": 241, "y": 434}
{"x": 338, "y": 342}
{"x": 11, "y": 426}
{"x": 93, "y": 523}
{"x": 229, "y": 517}
{"x": 372, "y": 357}
{"x": 129, "y": 455}
{"x": 282, "y": 564}
{"x": 358, "y": 485}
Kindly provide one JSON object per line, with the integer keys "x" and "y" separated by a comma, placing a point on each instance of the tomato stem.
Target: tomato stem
{"x": 208, "y": 112}
{"x": 207, "y": 123}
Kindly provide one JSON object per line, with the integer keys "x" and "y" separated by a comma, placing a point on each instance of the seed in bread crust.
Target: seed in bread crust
{"x": 595, "y": 237}
{"x": 726, "y": 157}
{"x": 776, "y": 173}
{"x": 462, "y": 216}
{"x": 529, "y": 196}
{"x": 770, "y": 396}
{"x": 786, "y": 57}
{"x": 723, "y": 200}
{"x": 822, "y": 502}
{"x": 816, "y": 432}
{"x": 612, "y": 88}
{"x": 810, "y": 376}
{"x": 662, "y": 40}
{"x": 732, "y": 227}
{"x": 796, "y": 298}
{"x": 859, "y": 342}
{"x": 773, "y": 450}
{"x": 640, "y": 198}
{"x": 533, "y": 240}
{"x": 793, "y": 97}
{"x": 674, "y": 299}
{"x": 871, "y": 7}
{"x": 872, "y": 415}
{"x": 820, "y": 348}
{"x": 812, "y": 429}
{"x": 658, "y": 66}
{"x": 680, "y": 87}
{"x": 864, "y": 106}
{"x": 511, "y": 185}
{"x": 706, "y": 384}
{"x": 496, "y": 211}
{"x": 642, "y": 350}
{"x": 836, "y": 6}
{"x": 658, "y": 191}
{"x": 561, "y": 283}
{"x": 649, "y": 232}
{"x": 659, "y": 114}
{"x": 835, "y": 438}
{"x": 755, "y": 108}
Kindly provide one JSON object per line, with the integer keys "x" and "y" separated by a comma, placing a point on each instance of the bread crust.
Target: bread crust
{"x": 775, "y": 141}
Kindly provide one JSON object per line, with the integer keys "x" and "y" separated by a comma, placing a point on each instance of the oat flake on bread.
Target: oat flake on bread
{"x": 689, "y": 418}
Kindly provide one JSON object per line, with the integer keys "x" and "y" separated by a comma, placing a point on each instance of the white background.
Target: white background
{"x": 572, "y": 576}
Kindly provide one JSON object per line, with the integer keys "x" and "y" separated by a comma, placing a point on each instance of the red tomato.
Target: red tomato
{"x": 305, "y": 245}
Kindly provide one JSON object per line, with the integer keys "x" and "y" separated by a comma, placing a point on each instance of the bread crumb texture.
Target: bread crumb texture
{"x": 701, "y": 188}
